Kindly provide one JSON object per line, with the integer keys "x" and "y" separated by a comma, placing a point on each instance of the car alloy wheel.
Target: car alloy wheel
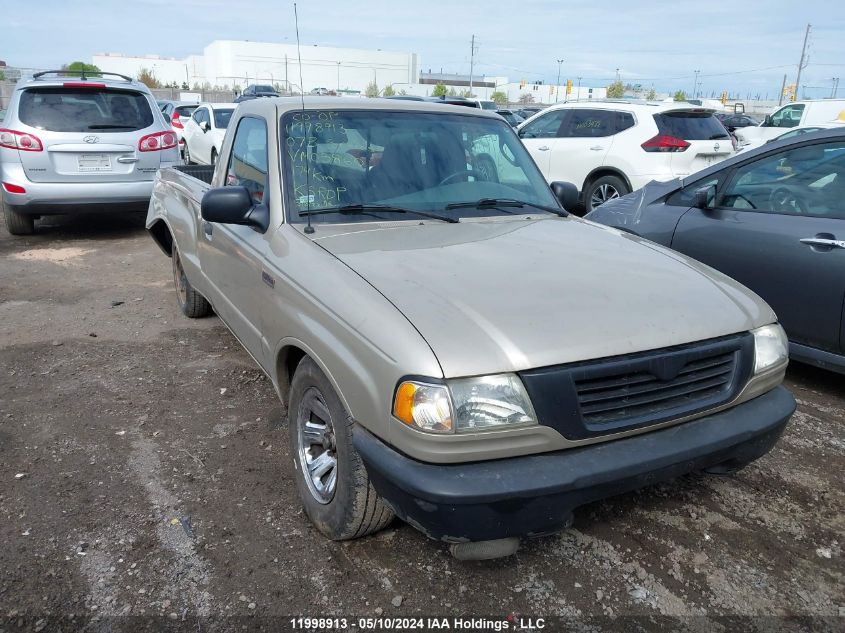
{"x": 602, "y": 194}
{"x": 316, "y": 445}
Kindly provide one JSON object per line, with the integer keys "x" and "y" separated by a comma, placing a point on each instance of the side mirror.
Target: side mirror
{"x": 234, "y": 205}
{"x": 767, "y": 121}
{"x": 702, "y": 197}
{"x": 566, "y": 193}
{"x": 204, "y": 126}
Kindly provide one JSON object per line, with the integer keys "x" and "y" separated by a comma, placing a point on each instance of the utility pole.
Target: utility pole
{"x": 802, "y": 64}
{"x": 578, "y": 94}
{"x": 287, "y": 83}
{"x": 782, "y": 90}
{"x": 695, "y": 85}
{"x": 557, "y": 85}
{"x": 338, "y": 78}
{"x": 471, "y": 61}
{"x": 835, "y": 88}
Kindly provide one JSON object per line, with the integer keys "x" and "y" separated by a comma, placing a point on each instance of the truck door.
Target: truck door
{"x": 231, "y": 255}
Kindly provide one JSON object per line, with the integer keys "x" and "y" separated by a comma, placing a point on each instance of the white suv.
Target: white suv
{"x": 610, "y": 148}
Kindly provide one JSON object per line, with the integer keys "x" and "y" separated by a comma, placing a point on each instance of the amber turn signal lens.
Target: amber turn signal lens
{"x": 403, "y": 405}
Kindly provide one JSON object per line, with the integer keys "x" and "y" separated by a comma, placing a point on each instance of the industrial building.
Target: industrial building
{"x": 230, "y": 64}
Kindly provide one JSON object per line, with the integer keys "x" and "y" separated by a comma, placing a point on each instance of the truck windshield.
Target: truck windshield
{"x": 412, "y": 160}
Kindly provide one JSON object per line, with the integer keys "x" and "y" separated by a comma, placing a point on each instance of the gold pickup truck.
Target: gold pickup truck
{"x": 452, "y": 346}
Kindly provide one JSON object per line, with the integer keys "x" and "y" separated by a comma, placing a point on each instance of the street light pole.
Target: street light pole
{"x": 578, "y": 94}
{"x": 695, "y": 85}
{"x": 338, "y": 78}
{"x": 557, "y": 85}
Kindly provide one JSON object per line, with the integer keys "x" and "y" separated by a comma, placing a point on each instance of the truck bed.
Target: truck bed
{"x": 200, "y": 172}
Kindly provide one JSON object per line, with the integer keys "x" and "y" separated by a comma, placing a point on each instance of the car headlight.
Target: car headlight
{"x": 771, "y": 347}
{"x": 465, "y": 404}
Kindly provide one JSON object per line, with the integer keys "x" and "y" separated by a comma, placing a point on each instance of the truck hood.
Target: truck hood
{"x": 503, "y": 295}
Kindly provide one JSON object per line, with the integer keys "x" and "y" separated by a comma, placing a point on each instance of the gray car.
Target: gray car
{"x": 773, "y": 218}
{"x": 452, "y": 346}
{"x": 73, "y": 141}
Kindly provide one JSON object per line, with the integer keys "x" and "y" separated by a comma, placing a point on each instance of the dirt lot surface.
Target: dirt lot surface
{"x": 144, "y": 471}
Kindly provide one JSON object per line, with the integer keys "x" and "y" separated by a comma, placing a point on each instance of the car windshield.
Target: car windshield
{"x": 222, "y": 117}
{"x": 408, "y": 160}
{"x": 63, "y": 109}
{"x": 264, "y": 90}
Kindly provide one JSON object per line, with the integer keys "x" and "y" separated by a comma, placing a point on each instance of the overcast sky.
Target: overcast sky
{"x": 743, "y": 46}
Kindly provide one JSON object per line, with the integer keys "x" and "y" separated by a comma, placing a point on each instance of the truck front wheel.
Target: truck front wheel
{"x": 331, "y": 478}
{"x": 192, "y": 303}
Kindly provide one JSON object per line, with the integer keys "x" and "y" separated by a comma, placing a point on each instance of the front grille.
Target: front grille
{"x": 608, "y": 399}
{"x": 616, "y": 394}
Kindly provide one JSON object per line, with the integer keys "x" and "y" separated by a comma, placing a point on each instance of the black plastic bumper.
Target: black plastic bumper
{"x": 536, "y": 494}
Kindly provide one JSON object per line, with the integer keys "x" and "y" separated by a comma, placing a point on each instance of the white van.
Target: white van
{"x": 799, "y": 113}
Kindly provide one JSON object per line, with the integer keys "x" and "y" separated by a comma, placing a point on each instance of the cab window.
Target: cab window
{"x": 789, "y": 116}
{"x": 248, "y": 162}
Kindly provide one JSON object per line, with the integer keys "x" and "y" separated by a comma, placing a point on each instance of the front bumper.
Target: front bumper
{"x": 536, "y": 494}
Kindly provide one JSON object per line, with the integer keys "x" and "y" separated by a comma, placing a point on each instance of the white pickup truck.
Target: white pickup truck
{"x": 452, "y": 346}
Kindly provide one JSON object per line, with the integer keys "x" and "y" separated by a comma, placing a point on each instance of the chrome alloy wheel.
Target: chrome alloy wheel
{"x": 602, "y": 194}
{"x": 317, "y": 447}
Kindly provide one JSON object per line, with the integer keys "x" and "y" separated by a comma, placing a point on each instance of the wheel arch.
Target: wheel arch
{"x": 290, "y": 353}
{"x": 605, "y": 170}
{"x": 162, "y": 235}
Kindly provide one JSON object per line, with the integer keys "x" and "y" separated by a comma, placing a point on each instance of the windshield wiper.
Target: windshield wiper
{"x": 110, "y": 126}
{"x": 358, "y": 209}
{"x": 492, "y": 203}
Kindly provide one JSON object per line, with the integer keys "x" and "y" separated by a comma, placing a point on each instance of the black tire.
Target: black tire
{"x": 18, "y": 223}
{"x": 603, "y": 189}
{"x": 186, "y": 155}
{"x": 353, "y": 509}
{"x": 192, "y": 303}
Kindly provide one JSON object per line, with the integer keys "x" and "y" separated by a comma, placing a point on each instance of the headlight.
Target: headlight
{"x": 771, "y": 347}
{"x": 465, "y": 404}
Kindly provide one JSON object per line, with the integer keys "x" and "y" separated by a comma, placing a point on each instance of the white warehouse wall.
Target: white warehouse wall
{"x": 228, "y": 63}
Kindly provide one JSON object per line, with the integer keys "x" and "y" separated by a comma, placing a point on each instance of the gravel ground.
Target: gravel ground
{"x": 144, "y": 471}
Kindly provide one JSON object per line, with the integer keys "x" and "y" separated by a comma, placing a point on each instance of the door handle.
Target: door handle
{"x": 207, "y": 228}
{"x": 824, "y": 243}
{"x": 127, "y": 159}
{"x": 597, "y": 148}
{"x": 544, "y": 148}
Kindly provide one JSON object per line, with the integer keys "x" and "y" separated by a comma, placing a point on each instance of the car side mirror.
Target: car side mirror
{"x": 566, "y": 193}
{"x": 767, "y": 121}
{"x": 702, "y": 197}
{"x": 204, "y": 126}
{"x": 234, "y": 205}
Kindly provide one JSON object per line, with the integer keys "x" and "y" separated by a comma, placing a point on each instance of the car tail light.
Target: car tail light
{"x": 20, "y": 140}
{"x": 665, "y": 143}
{"x": 176, "y": 122}
{"x": 156, "y": 142}
{"x": 13, "y": 188}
